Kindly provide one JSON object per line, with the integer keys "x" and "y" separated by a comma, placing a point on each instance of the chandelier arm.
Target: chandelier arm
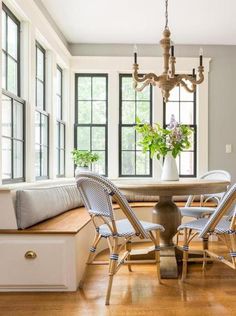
{"x": 192, "y": 89}
{"x": 151, "y": 76}
{"x": 145, "y": 84}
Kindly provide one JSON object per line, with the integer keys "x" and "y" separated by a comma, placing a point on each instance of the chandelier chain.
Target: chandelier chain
{"x": 166, "y": 26}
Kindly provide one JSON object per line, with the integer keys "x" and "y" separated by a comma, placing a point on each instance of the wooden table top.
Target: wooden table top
{"x": 170, "y": 188}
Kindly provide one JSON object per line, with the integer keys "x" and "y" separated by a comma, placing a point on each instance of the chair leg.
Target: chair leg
{"x": 90, "y": 259}
{"x": 205, "y": 247}
{"x": 128, "y": 248}
{"x": 112, "y": 269}
{"x": 157, "y": 255}
{"x": 185, "y": 255}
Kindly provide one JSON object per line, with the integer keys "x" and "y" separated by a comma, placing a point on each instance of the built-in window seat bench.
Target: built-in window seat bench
{"x": 45, "y": 236}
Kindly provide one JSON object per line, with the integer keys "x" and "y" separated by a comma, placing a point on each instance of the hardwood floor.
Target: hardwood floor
{"x": 134, "y": 294}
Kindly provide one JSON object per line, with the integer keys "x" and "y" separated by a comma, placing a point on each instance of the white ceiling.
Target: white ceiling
{"x": 140, "y": 21}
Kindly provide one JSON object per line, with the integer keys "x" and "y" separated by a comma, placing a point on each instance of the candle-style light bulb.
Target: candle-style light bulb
{"x": 135, "y": 54}
{"x": 172, "y": 49}
{"x": 200, "y": 55}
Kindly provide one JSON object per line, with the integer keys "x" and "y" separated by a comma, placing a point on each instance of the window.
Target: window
{"x": 13, "y": 107}
{"x": 12, "y": 139}
{"x": 10, "y": 52}
{"x": 41, "y": 118}
{"x": 132, "y": 162}
{"x": 91, "y": 116}
{"x": 182, "y": 105}
{"x": 60, "y": 127}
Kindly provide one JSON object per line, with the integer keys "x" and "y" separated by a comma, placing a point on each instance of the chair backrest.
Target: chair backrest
{"x": 97, "y": 191}
{"x": 226, "y": 203}
{"x": 211, "y": 175}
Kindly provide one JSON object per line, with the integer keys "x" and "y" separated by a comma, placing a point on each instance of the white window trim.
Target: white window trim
{"x": 114, "y": 66}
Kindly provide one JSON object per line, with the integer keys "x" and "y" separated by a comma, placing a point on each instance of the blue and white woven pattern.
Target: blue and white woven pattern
{"x": 125, "y": 229}
{"x": 113, "y": 190}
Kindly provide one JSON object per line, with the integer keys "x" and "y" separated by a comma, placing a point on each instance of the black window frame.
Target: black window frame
{"x": 60, "y": 123}
{"x": 17, "y": 22}
{"x": 12, "y": 138}
{"x": 42, "y": 112}
{"x": 92, "y": 75}
{"x": 130, "y": 125}
{"x": 194, "y": 126}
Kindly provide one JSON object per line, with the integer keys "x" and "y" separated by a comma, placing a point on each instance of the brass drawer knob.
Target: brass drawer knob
{"x": 30, "y": 254}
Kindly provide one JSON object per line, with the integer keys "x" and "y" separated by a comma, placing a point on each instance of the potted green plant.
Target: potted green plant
{"x": 83, "y": 159}
{"x": 165, "y": 142}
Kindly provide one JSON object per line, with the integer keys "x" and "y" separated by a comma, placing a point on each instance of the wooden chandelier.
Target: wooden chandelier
{"x": 168, "y": 79}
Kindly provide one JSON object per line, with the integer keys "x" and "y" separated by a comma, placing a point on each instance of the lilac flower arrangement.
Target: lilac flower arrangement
{"x": 159, "y": 141}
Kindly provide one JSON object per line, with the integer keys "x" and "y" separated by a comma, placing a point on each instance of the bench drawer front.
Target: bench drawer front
{"x": 48, "y": 269}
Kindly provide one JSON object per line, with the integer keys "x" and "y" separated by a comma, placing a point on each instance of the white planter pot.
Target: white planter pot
{"x": 169, "y": 170}
{"x": 80, "y": 169}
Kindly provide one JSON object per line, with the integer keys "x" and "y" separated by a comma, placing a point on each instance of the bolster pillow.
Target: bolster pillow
{"x": 38, "y": 204}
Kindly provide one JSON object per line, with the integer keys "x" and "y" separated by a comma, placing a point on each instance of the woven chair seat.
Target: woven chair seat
{"x": 223, "y": 227}
{"x": 124, "y": 228}
{"x": 196, "y": 212}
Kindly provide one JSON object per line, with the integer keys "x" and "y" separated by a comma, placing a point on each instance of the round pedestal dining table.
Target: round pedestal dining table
{"x": 167, "y": 213}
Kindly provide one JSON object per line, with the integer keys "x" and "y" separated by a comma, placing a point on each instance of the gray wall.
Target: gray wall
{"x": 222, "y": 92}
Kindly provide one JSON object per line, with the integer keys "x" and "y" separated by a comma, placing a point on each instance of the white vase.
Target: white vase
{"x": 169, "y": 169}
{"x": 80, "y": 169}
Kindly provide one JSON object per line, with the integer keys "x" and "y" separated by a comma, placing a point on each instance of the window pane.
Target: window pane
{"x": 98, "y": 138}
{"x": 12, "y": 38}
{"x": 83, "y": 138}
{"x": 59, "y": 80}
{"x": 99, "y": 112}
{"x": 186, "y": 113}
{"x": 62, "y": 135}
{"x": 6, "y": 158}
{"x": 37, "y": 160}
{"x": 11, "y": 75}
{"x": 143, "y": 111}
{"x": 40, "y": 95}
{"x": 40, "y": 64}
{"x": 44, "y": 161}
{"x": 44, "y": 130}
{"x": 185, "y": 95}
{"x": 99, "y": 88}
{"x": 84, "y": 88}
{"x": 6, "y": 116}
{"x": 142, "y": 163}
{"x": 172, "y": 108}
{"x": 37, "y": 128}
{"x": 128, "y": 163}
{"x": 58, "y": 108}
{"x": 174, "y": 94}
{"x": 128, "y": 138}
{"x": 18, "y": 159}
{"x": 4, "y": 76}
{"x": 18, "y": 120}
{"x": 128, "y": 113}
{"x": 4, "y": 21}
{"x": 62, "y": 162}
{"x": 144, "y": 95}
{"x": 99, "y": 166}
{"x": 187, "y": 163}
{"x": 84, "y": 112}
{"x": 128, "y": 92}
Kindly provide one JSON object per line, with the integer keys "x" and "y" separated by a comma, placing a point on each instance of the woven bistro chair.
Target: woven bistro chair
{"x": 203, "y": 210}
{"x": 97, "y": 193}
{"x": 220, "y": 224}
